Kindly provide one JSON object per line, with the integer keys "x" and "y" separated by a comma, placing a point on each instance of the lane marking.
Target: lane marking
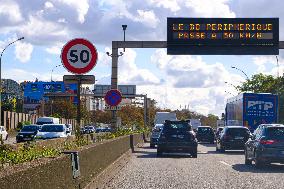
{"x": 224, "y": 163}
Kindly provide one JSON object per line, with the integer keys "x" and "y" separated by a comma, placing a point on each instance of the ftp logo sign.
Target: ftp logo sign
{"x": 259, "y": 105}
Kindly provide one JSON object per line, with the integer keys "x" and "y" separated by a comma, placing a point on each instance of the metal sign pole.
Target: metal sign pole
{"x": 78, "y": 105}
{"x": 114, "y": 80}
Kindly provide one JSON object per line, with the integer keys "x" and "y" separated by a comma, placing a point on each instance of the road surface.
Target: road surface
{"x": 209, "y": 170}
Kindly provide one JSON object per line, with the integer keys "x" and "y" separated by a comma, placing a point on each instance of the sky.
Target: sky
{"x": 174, "y": 81}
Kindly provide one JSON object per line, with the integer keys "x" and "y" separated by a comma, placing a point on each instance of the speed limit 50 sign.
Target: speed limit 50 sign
{"x": 79, "y": 56}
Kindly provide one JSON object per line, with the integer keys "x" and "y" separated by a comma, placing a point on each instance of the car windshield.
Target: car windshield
{"x": 204, "y": 130}
{"x": 52, "y": 128}
{"x": 238, "y": 132}
{"x": 30, "y": 128}
{"x": 89, "y": 127}
{"x": 275, "y": 133}
{"x": 177, "y": 125}
{"x": 41, "y": 123}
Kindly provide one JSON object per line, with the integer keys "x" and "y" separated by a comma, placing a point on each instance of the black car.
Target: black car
{"x": 27, "y": 133}
{"x": 177, "y": 136}
{"x": 233, "y": 138}
{"x": 266, "y": 145}
{"x": 89, "y": 129}
{"x": 155, "y": 135}
{"x": 205, "y": 134}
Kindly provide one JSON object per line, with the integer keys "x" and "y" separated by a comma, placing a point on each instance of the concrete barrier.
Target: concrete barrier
{"x": 57, "y": 172}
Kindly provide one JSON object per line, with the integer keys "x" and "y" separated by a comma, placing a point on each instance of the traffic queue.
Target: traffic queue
{"x": 263, "y": 146}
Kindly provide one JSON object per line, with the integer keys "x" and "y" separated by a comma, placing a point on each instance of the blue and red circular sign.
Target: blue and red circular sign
{"x": 113, "y": 97}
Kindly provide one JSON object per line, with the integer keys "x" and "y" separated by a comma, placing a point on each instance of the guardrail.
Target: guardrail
{"x": 57, "y": 172}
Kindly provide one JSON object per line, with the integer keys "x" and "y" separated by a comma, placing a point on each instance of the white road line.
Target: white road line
{"x": 224, "y": 163}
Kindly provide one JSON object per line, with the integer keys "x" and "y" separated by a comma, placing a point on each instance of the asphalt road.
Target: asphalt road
{"x": 209, "y": 170}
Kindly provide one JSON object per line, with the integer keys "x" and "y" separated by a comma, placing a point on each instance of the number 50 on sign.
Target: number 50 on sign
{"x": 79, "y": 56}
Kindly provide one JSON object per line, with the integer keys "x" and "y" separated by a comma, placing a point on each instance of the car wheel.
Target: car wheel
{"x": 194, "y": 153}
{"x": 247, "y": 161}
{"x": 152, "y": 145}
{"x": 257, "y": 162}
{"x": 159, "y": 152}
{"x": 222, "y": 149}
{"x": 217, "y": 150}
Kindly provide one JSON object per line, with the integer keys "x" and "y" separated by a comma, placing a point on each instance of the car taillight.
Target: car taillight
{"x": 262, "y": 141}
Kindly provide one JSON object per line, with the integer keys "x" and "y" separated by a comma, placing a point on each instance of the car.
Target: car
{"x": 232, "y": 138}
{"x": 266, "y": 145}
{"x": 3, "y": 133}
{"x": 27, "y": 133}
{"x": 155, "y": 135}
{"x": 177, "y": 136}
{"x": 89, "y": 129}
{"x": 49, "y": 131}
{"x": 205, "y": 134}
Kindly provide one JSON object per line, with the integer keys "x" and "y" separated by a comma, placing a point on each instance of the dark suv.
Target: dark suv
{"x": 177, "y": 136}
{"x": 232, "y": 138}
{"x": 27, "y": 133}
{"x": 205, "y": 134}
{"x": 266, "y": 145}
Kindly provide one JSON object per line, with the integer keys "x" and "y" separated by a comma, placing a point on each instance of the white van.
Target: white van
{"x": 47, "y": 120}
{"x": 161, "y": 117}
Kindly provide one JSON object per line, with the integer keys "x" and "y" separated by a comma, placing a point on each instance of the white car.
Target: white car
{"x": 49, "y": 131}
{"x": 3, "y": 133}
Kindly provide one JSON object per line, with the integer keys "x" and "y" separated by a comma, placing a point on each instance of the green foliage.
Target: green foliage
{"x": 20, "y": 125}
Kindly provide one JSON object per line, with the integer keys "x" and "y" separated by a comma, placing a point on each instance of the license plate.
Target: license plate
{"x": 174, "y": 136}
{"x": 239, "y": 138}
{"x": 27, "y": 138}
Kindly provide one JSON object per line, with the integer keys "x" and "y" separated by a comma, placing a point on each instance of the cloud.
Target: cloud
{"x": 209, "y": 8}
{"x": 10, "y": 12}
{"x": 81, "y": 7}
{"x": 129, "y": 73}
{"x": 23, "y": 51}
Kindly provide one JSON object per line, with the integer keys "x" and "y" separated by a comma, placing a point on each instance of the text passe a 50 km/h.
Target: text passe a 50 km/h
{"x": 223, "y": 36}
{"x": 79, "y": 56}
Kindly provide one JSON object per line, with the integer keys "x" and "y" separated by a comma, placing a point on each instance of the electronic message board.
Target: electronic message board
{"x": 223, "y": 36}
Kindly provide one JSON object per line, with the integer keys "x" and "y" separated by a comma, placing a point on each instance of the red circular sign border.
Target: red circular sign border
{"x": 70, "y": 44}
{"x": 108, "y": 93}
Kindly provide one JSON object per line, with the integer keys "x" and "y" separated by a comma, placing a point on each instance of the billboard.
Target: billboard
{"x": 101, "y": 90}
{"x": 34, "y": 92}
{"x": 223, "y": 36}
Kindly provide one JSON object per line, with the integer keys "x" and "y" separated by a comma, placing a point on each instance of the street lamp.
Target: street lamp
{"x": 53, "y": 70}
{"x": 1, "y": 75}
{"x": 232, "y": 85}
{"x": 241, "y": 71}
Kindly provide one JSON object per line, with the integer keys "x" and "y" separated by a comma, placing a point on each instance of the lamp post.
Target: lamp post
{"x": 232, "y": 85}
{"x": 241, "y": 71}
{"x": 1, "y": 75}
{"x": 53, "y": 70}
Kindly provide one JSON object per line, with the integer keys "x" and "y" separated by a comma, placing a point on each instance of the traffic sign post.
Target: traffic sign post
{"x": 79, "y": 56}
{"x": 113, "y": 98}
